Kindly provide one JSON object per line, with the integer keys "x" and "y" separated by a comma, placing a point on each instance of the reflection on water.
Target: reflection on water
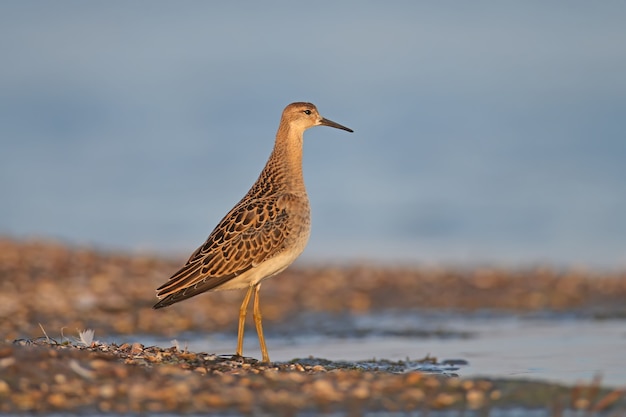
{"x": 558, "y": 349}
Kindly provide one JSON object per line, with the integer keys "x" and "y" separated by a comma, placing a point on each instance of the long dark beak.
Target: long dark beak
{"x": 326, "y": 122}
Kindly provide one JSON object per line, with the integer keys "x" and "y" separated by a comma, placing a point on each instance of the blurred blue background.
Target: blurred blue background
{"x": 485, "y": 132}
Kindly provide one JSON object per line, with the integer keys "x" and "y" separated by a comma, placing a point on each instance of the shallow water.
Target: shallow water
{"x": 558, "y": 349}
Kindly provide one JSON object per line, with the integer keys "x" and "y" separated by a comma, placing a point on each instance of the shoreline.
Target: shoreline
{"x": 44, "y": 376}
{"x": 55, "y": 289}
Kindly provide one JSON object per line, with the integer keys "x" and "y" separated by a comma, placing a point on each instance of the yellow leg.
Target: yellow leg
{"x": 259, "y": 323}
{"x": 242, "y": 321}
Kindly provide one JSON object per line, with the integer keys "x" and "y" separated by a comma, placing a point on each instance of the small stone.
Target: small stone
{"x": 413, "y": 378}
{"x": 495, "y": 395}
{"x": 188, "y": 356}
{"x": 60, "y": 379}
{"x": 325, "y": 390}
{"x": 57, "y": 400}
{"x": 136, "y": 349}
{"x": 467, "y": 384}
{"x": 98, "y": 364}
{"x": 475, "y": 398}
{"x": 432, "y": 383}
{"x": 6, "y": 362}
{"x": 296, "y": 377}
{"x": 361, "y": 392}
{"x": 107, "y": 391}
{"x": 444, "y": 399}
{"x": 415, "y": 395}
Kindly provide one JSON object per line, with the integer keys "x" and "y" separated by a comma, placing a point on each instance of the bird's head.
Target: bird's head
{"x": 305, "y": 115}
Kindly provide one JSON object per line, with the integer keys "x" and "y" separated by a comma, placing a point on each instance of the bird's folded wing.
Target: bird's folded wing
{"x": 251, "y": 233}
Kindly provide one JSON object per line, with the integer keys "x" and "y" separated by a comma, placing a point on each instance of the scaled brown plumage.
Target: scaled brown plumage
{"x": 263, "y": 234}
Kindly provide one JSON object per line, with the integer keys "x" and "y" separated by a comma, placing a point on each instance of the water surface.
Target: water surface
{"x": 558, "y": 349}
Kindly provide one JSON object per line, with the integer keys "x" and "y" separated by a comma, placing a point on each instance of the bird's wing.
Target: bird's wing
{"x": 249, "y": 234}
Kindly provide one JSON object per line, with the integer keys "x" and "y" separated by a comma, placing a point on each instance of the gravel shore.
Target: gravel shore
{"x": 53, "y": 288}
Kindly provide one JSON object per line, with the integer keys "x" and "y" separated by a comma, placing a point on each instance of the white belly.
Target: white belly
{"x": 267, "y": 269}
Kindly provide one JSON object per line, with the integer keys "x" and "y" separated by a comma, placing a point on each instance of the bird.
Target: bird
{"x": 262, "y": 234}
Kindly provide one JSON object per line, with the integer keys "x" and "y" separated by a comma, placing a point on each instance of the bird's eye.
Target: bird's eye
{"x": 307, "y": 111}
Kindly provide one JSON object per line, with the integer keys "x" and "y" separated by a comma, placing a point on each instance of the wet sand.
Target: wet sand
{"x": 61, "y": 289}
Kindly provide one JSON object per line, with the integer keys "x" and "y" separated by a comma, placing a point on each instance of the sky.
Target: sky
{"x": 485, "y": 132}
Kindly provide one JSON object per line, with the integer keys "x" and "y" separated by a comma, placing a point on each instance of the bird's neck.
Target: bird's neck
{"x": 284, "y": 165}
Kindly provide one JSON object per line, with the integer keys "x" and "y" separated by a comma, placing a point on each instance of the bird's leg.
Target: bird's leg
{"x": 242, "y": 321}
{"x": 256, "y": 313}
